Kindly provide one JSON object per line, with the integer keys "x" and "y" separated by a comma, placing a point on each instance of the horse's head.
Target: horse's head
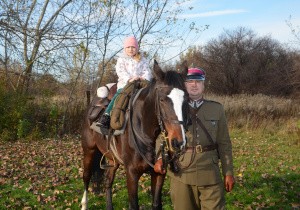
{"x": 172, "y": 105}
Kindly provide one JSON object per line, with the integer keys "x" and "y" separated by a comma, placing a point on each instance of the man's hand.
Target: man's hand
{"x": 158, "y": 167}
{"x": 229, "y": 183}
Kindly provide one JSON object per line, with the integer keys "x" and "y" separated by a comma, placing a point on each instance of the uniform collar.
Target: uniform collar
{"x": 196, "y": 103}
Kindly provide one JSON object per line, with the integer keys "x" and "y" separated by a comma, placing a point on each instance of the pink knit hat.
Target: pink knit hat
{"x": 131, "y": 42}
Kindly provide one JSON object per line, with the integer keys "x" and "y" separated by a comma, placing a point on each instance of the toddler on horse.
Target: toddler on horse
{"x": 131, "y": 66}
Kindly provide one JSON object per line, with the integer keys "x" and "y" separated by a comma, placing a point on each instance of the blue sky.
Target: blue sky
{"x": 264, "y": 17}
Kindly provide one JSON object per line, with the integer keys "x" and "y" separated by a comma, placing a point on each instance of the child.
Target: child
{"x": 130, "y": 66}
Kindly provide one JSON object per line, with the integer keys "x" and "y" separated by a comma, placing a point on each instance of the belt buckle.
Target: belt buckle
{"x": 199, "y": 148}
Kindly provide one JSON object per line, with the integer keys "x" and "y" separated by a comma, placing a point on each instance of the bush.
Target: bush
{"x": 21, "y": 117}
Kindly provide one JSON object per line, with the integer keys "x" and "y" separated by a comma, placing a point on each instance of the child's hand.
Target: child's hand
{"x": 142, "y": 78}
{"x": 134, "y": 78}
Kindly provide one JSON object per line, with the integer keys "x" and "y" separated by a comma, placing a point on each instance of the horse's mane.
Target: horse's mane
{"x": 172, "y": 79}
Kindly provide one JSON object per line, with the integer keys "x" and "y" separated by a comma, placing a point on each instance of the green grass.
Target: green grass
{"x": 47, "y": 174}
{"x": 267, "y": 172}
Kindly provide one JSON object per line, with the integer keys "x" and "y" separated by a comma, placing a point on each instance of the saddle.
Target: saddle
{"x": 119, "y": 114}
{"x": 101, "y": 101}
{"x": 97, "y": 109}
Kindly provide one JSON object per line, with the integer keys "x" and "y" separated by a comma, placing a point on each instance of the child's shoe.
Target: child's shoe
{"x": 104, "y": 122}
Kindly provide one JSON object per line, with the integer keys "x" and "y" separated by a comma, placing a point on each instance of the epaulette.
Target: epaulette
{"x": 212, "y": 101}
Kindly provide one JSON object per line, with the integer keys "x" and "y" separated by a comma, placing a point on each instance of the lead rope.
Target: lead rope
{"x": 194, "y": 139}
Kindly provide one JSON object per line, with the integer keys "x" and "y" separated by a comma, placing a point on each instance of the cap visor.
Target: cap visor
{"x": 195, "y": 78}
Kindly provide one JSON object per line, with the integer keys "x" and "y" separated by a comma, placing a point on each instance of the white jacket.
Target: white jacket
{"x": 127, "y": 67}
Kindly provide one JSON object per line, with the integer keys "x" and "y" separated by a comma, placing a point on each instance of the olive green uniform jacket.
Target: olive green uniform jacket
{"x": 205, "y": 170}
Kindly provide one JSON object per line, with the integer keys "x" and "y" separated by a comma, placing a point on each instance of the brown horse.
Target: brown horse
{"x": 160, "y": 106}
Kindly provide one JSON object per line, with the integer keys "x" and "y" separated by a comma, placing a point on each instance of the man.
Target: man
{"x": 198, "y": 184}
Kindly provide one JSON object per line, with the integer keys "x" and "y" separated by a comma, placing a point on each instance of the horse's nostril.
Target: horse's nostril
{"x": 175, "y": 143}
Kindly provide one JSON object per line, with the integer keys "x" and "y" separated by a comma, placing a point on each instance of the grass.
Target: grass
{"x": 47, "y": 174}
{"x": 267, "y": 171}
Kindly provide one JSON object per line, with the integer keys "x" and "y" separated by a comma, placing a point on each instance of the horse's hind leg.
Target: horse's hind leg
{"x": 88, "y": 158}
{"x": 157, "y": 181}
{"x": 109, "y": 178}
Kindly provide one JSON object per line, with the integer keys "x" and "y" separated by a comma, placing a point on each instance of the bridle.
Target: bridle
{"x": 160, "y": 119}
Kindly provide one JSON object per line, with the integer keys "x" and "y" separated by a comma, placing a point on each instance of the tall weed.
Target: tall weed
{"x": 260, "y": 113}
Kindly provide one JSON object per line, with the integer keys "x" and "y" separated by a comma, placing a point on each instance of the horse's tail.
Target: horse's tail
{"x": 97, "y": 173}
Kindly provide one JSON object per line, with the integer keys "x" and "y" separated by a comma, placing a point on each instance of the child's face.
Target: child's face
{"x": 130, "y": 51}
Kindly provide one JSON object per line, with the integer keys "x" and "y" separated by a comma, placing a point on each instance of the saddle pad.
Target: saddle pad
{"x": 104, "y": 131}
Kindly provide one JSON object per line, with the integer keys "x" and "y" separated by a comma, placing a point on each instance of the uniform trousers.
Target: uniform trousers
{"x": 191, "y": 197}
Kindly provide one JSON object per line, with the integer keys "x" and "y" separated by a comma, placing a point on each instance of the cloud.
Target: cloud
{"x": 212, "y": 14}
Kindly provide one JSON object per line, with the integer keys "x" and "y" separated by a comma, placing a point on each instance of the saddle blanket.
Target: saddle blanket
{"x": 104, "y": 131}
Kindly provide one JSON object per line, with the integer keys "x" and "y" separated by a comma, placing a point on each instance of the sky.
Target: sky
{"x": 264, "y": 17}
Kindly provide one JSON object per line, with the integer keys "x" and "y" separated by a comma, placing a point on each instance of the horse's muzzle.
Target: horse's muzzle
{"x": 176, "y": 146}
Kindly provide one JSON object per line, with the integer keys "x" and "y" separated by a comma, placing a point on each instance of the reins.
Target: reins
{"x": 132, "y": 130}
{"x": 193, "y": 113}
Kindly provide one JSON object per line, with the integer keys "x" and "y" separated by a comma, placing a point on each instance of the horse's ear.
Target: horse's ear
{"x": 184, "y": 69}
{"x": 160, "y": 75}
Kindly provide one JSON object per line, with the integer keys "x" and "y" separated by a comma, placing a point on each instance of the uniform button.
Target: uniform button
{"x": 197, "y": 128}
{"x": 197, "y": 135}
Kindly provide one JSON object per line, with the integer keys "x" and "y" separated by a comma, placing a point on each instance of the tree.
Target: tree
{"x": 240, "y": 62}
{"x": 34, "y": 25}
{"x": 295, "y": 30}
{"x": 77, "y": 41}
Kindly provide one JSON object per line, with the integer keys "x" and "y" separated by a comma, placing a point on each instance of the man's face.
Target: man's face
{"x": 195, "y": 88}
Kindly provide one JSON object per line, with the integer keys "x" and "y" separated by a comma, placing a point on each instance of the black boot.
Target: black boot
{"x": 104, "y": 121}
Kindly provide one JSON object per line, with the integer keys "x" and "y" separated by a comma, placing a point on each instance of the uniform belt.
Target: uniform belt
{"x": 200, "y": 148}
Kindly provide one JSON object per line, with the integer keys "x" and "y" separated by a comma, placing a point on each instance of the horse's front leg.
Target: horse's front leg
{"x": 132, "y": 187}
{"x": 109, "y": 179}
{"x": 157, "y": 181}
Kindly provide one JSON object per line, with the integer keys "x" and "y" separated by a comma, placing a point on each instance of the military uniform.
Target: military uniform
{"x": 200, "y": 185}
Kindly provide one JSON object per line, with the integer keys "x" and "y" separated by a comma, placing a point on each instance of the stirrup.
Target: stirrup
{"x": 105, "y": 167}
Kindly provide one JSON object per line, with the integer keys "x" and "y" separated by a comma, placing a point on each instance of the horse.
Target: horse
{"x": 160, "y": 106}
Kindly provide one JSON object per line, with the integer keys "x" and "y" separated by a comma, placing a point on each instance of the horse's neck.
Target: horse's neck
{"x": 144, "y": 108}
